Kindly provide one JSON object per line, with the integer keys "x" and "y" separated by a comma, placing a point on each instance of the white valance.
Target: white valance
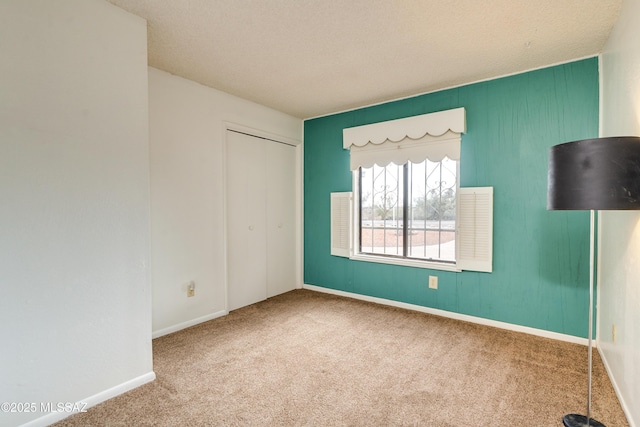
{"x": 429, "y": 136}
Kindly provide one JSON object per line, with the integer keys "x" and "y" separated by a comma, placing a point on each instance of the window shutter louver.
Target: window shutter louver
{"x": 475, "y": 229}
{"x": 341, "y": 219}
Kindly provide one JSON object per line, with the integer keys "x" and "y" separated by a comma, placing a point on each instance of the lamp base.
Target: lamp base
{"x": 575, "y": 420}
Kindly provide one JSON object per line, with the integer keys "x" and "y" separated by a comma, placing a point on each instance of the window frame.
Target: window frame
{"x": 357, "y": 255}
{"x": 432, "y": 135}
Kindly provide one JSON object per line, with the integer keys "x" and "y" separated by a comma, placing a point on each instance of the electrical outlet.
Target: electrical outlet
{"x": 614, "y": 333}
{"x": 191, "y": 289}
{"x": 433, "y": 282}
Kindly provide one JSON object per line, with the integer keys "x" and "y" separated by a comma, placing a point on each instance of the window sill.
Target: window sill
{"x": 406, "y": 262}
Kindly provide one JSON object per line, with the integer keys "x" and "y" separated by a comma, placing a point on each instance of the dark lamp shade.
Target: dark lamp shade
{"x": 598, "y": 174}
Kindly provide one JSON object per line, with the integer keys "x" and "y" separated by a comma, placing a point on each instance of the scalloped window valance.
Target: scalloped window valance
{"x": 431, "y": 136}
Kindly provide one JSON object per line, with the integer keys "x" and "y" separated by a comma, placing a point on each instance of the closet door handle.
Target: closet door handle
{"x": 251, "y": 228}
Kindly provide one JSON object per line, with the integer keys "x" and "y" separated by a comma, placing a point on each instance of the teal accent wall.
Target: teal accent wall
{"x": 540, "y": 273}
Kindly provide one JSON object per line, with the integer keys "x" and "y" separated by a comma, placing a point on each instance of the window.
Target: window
{"x": 407, "y": 207}
{"x": 408, "y": 211}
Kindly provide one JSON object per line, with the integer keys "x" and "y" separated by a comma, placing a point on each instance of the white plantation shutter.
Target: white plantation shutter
{"x": 341, "y": 219}
{"x": 475, "y": 229}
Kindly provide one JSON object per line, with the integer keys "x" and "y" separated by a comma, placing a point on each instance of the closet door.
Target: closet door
{"x": 246, "y": 220}
{"x": 281, "y": 215}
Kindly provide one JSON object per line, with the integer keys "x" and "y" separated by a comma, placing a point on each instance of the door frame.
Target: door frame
{"x": 299, "y": 200}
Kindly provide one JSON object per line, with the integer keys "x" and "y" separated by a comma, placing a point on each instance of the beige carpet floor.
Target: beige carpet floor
{"x": 311, "y": 359}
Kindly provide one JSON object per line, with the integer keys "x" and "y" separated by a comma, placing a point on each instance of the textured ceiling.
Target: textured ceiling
{"x": 314, "y": 57}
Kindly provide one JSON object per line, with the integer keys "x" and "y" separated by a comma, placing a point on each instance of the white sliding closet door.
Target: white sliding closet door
{"x": 246, "y": 220}
{"x": 281, "y": 234}
{"x": 260, "y": 219}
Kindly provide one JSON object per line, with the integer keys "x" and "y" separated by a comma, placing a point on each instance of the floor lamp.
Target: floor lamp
{"x": 593, "y": 174}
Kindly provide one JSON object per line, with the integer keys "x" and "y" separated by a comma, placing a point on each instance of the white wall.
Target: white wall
{"x": 619, "y": 288}
{"x": 75, "y": 301}
{"x": 187, "y": 135}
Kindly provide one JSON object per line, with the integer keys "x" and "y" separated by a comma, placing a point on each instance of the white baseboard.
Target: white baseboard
{"x": 187, "y": 324}
{"x": 623, "y": 404}
{"x": 457, "y": 316}
{"x": 91, "y": 401}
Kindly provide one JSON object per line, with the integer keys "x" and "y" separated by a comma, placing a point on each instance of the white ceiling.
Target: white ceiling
{"x": 314, "y": 57}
